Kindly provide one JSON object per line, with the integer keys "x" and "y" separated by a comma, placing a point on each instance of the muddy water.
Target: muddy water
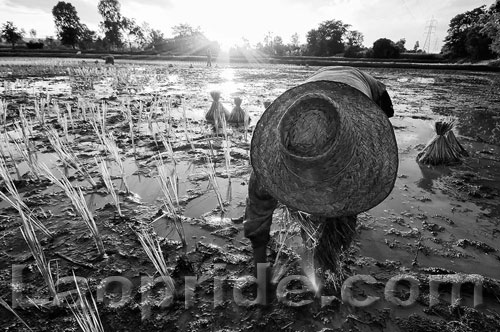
{"x": 393, "y": 230}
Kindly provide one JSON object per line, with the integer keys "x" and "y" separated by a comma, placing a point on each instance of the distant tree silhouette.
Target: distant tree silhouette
{"x": 327, "y": 39}
{"x": 385, "y": 48}
{"x": 467, "y": 36}
{"x": 11, "y": 33}
{"x": 68, "y": 26}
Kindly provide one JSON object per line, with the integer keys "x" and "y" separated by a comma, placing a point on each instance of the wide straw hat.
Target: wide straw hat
{"x": 325, "y": 148}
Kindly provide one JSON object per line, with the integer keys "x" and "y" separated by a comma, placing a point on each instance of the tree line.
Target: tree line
{"x": 474, "y": 34}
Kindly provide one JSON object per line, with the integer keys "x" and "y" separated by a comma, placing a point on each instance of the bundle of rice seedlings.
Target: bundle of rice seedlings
{"x": 455, "y": 144}
{"x": 86, "y": 314}
{"x": 79, "y": 203}
{"x": 333, "y": 238}
{"x": 153, "y": 250}
{"x": 8, "y": 308}
{"x": 439, "y": 151}
{"x": 217, "y": 114}
{"x": 238, "y": 115}
{"x": 106, "y": 177}
{"x": 285, "y": 232}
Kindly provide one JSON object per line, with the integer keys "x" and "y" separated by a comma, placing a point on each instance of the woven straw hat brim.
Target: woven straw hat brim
{"x": 363, "y": 162}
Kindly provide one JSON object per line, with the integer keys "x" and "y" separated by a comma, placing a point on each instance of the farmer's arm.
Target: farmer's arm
{"x": 258, "y": 218}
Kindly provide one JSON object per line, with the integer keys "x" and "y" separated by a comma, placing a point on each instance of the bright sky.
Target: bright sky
{"x": 228, "y": 21}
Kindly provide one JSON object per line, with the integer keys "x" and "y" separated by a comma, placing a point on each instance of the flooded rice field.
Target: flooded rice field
{"x": 170, "y": 175}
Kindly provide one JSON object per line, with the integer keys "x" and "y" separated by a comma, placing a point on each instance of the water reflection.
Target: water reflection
{"x": 228, "y": 86}
{"x": 429, "y": 174}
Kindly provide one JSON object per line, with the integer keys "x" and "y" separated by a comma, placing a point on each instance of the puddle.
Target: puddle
{"x": 55, "y": 86}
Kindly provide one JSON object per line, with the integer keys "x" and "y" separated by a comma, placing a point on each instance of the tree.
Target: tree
{"x": 68, "y": 26}
{"x": 113, "y": 22}
{"x": 294, "y": 45}
{"x": 385, "y": 48}
{"x": 278, "y": 46}
{"x": 156, "y": 38}
{"x": 400, "y": 44}
{"x": 185, "y": 30}
{"x": 354, "y": 43}
{"x": 134, "y": 32}
{"x": 327, "y": 39}
{"x": 466, "y": 36}
{"x": 416, "y": 47}
{"x": 492, "y": 27}
{"x": 33, "y": 33}
{"x": 87, "y": 38}
{"x": 188, "y": 39}
{"x": 354, "y": 38}
{"x": 11, "y": 33}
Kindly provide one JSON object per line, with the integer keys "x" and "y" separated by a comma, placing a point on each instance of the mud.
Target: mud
{"x": 437, "y": 221}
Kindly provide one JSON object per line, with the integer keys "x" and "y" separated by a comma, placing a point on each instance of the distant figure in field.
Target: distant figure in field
{"x": 109, "y": 60}
{"x": 209, "y": 57}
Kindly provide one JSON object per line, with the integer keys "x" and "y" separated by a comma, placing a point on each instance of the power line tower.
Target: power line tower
{"x": 430, "y": 30}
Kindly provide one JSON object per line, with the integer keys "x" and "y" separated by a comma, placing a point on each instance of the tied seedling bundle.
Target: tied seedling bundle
{"x": 444, "y": 148}
{"x": 217, "y": 114}
{"x": 238, "y": 115}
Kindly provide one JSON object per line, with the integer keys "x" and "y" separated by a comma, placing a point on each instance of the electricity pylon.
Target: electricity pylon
{"x": 430, "y": 30}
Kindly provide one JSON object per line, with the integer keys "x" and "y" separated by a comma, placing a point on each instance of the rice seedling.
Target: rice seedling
{"x": 139, "y": 118}
{"x": 16, "y": 200}
{"x": 79, "y": 203}
{"x": 226, "y": 146}
{"x": 24, "y": 131}
{"x": 153, "y": 250}
{"x": 70, "y": 115}
{"x": 186, "y": 126}
{"x": 8, "y": 308}
{"x": 110, "y": 145}
{"x": 3, "y": 113}
{"x": 67, "y": 156}
{"x": 29, "y": 235}
{"x": 170, "y": 203}
{"x": 85, "y": 313}
{"x": 439, "y": 151}
{"x": 26, "y": 156}
{"x": 64, "y": 125}
{"x": 210, "y": 170}
{"x": 41, "y": 106}
{"x": 127, "y": 112}
{"x": 4, "y": 158}
{"x": 57, "y": 110}
{"x": 106, "y": 177}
